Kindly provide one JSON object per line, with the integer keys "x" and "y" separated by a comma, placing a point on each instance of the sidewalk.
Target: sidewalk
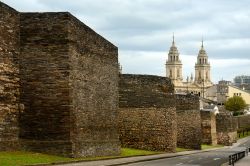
{"x": 129, "y": 160}
{"x": 243, "y": 162}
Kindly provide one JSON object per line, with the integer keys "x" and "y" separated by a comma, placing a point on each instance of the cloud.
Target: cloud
{"x": 153, "y": 63}
{"x": 143, "y": 27}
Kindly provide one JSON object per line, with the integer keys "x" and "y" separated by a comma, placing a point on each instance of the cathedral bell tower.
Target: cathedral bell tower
{"x": 202, "y": 69}
{"x": 174, "y": 65}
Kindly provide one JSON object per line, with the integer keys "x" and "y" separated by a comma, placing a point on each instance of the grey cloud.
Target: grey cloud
{"x": 147, "y": 25}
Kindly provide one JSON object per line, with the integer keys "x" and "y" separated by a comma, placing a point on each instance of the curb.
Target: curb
{"x": 158, "y": 158}
{"x": 150, "y": 158}
{"x": 225, "y": 164}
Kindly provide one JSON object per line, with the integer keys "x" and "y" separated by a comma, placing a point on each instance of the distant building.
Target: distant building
{"x": 241, "y": 80}
{"x": 195, "y": 85}
{"x": 224, "y": 90}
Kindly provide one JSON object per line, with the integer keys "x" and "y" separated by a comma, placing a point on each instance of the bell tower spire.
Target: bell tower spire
{"x": 174, "y": 65}
{"x": 202, "y": 67}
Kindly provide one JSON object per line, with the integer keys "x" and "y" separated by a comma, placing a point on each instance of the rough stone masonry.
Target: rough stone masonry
{"x": 208, "y": 125}
{"x": 9, "y": 77}
{"x": 147, "y": 116}
{"x": 226, "y": 128}
{"x": 66, "y": 76}
{"x": 189, "y": 134}
{"x": 152, "y": 117}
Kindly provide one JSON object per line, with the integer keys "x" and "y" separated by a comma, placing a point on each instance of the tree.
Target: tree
{"x": 235, "y": 104}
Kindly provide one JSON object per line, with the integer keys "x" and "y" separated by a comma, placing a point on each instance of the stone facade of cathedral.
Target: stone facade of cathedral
{"x": 195, "y": 85}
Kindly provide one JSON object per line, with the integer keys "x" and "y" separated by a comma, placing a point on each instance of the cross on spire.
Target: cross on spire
{"x": 173, "y": 39}
{"x": 202, "y": 42}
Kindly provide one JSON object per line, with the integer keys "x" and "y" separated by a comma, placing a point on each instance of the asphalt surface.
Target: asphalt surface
{"x": 212, "y": 158}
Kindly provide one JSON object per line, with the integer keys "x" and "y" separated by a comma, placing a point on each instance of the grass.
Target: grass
{"x": 126, "y": 152}
{"x": 205, "y": 147}
{"x": 246, "y": 134}
{"x": 28, "y": 158}
{"x": 182, "y": 149}
{"x": 24, "y": 158}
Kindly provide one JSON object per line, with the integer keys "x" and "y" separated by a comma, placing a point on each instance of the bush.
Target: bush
{"x": 235, "y": 104}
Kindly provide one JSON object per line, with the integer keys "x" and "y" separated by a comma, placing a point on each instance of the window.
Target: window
{"x": 170, "y": 74}
{"x": 178, "y": 73}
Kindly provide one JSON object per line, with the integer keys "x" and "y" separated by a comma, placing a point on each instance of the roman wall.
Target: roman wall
{"x": 61, "y": 93}
{"x": 226, "y": 127}
{"x": 208, "y": 125}
{"x": 189, "y": 134}
{"x": 243, "y": 121}
{"x": 9, "y": 78}
{"x": 69, "y": 86}
{"x": 147, "y": 117}
{"x": 45, "y": 123}
{"x": 93, "y": 91}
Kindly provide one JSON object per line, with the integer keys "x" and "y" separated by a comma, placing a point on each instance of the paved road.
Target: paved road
{"x": 212, "y": 158}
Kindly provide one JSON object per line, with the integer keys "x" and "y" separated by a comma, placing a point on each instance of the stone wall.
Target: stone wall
{"x": 145, "y": 91}
{"x": 148, "y": 128}
{"x": 93, "y": 80}
{"x": 226, "y": 127}
{"x": 208, "y": 125}
{"x": 147, "y": 118}
{"x": 188, "y": 122}
{"x": 45, "y": 124}
{"x": 69, "y": 86}
{"x": 9, "y": 81}
{"x": 243, "y": 121}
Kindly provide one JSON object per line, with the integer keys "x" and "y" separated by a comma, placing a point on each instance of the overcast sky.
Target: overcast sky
{"x": 142, "y": 29}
